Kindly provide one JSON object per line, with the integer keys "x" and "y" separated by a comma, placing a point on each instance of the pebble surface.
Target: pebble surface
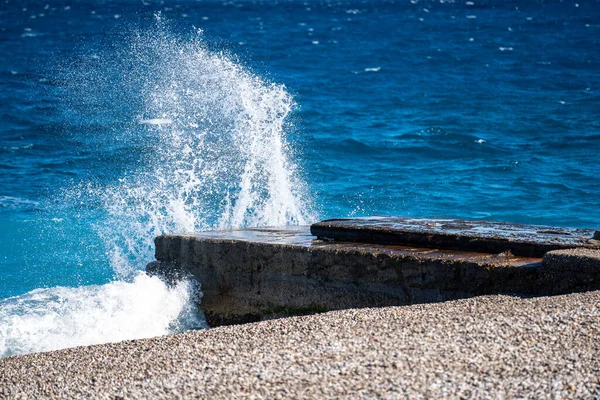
{"x": 484, "y": 347}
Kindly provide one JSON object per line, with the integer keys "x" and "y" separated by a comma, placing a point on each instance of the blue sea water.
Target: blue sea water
{"x": 121, "y": 120}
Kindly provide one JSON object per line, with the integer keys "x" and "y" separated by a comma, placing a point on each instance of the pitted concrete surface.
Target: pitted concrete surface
{"x": 573, "y": 258}
{"x": 254, "y": 274}
{"x": 484, "y": 347}
{"x": 577, "y": 269}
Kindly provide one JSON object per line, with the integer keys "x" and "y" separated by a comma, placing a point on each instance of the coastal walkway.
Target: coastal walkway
{"x": 261, "y": 273}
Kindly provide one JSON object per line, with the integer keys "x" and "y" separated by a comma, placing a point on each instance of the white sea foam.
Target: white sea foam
{"x": 31, "y": 34}
{"x": 219, "y": 159}
{"x": 59, "y": 317}
{"x": 156, "y": 121}
{"x": 25, "y": 146}
{"x": 16, "y": 202}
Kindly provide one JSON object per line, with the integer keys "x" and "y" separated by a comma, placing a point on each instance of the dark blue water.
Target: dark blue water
{"x": 113, "y": 130}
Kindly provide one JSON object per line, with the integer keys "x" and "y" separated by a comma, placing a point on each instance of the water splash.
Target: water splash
{"x": 59, "y": 317}
{"x": 219, "y": 159}
{"x": 215, "y": 151}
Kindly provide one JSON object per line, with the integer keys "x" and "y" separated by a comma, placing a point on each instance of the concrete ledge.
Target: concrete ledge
{"x": 261, "y": 273}
{"x": 467, "y": 235}
{"x": 255, "y": 274}
{"x": 572, "y": 269}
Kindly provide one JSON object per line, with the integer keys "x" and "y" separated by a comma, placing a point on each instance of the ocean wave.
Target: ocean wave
{"x": 59, "y": 317}
{"x": 217, "y": 157}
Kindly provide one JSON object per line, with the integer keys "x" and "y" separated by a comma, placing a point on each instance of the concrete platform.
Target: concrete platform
{"x": 261, "y": 273}
{"x": 469, "y": 235}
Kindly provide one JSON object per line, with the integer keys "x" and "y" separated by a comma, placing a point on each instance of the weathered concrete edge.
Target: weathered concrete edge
{"x": 578, "y": 268}
{"x": 245, "y": 281}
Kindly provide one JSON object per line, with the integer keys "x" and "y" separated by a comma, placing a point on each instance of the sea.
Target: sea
{"x": 122, "y": 120}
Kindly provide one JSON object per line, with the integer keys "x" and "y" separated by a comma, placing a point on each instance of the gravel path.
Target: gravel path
{"x": 492, "y": 347}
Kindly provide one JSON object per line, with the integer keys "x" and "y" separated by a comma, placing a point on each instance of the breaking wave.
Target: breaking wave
{"x": 215, "y": 156}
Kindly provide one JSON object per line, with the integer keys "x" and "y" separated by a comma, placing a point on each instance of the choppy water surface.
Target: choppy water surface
{"x": 123, "y": 120}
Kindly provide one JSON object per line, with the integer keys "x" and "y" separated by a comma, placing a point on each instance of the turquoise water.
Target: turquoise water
{"x": 123, "y": 120}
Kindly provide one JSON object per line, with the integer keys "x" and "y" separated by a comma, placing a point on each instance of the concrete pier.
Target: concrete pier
{"x": 261, "y": 273}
